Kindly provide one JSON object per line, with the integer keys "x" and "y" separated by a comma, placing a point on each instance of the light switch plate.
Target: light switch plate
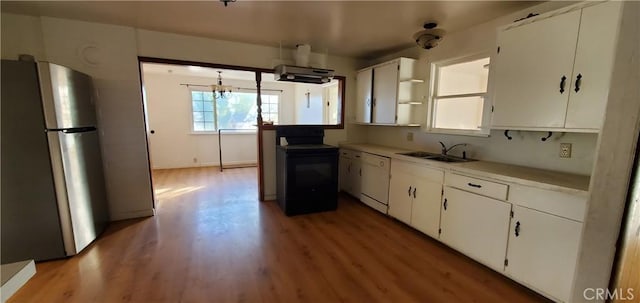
{"x": 565, "y": 150}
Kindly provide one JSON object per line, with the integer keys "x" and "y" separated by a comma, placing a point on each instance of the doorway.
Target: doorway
{"x": 201, "y": 129}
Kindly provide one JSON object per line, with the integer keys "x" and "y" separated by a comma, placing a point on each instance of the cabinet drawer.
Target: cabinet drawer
{"x": 478, "y": 186}
{"x": 571, "y": 206}
{"x": 351, "y": 154}
{"x": 417, "y": 170}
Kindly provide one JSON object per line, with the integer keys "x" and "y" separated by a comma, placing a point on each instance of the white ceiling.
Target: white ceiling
{"x": 204, "y": 72}
{"x": 360, "y": 29}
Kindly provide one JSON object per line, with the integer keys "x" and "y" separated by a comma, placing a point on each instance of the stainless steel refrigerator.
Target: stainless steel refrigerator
{"x": 53, "y": 198}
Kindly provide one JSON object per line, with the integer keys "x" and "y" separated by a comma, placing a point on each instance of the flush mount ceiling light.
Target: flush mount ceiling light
{"x": 226, "y": 2}
{"x": 219, "y": 90}
{"x": 429, "y": 37}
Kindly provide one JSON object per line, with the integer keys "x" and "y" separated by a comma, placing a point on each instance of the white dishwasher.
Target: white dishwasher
{"x": 375, "y": 181}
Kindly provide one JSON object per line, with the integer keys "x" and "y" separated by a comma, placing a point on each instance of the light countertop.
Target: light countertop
{"x": 528, "y": 176}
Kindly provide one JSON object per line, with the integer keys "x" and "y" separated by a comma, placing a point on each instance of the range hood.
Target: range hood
{"x": 303, "y": 74}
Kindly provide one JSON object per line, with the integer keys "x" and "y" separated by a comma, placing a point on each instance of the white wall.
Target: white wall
{"x": 173, "y": 144}
{"x": 110, "y": 57}
{"x": 526, "y": 148}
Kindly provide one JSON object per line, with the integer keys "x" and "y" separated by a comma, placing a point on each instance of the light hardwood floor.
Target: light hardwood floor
{"x": 212, "y": 241}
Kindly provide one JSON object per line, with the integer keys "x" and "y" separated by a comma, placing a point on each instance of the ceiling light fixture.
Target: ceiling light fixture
{"x": 219, "y": 90}
{"x": 226, "y": 2}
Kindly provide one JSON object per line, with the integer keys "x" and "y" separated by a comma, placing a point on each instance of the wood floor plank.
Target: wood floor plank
{"x": 213, "y": 241}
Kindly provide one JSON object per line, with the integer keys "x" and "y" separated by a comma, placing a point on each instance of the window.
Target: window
{"x": 270, "y": 108}
{"x": 203, "y": 117}
{"x": 459, "y": 88}
{"x": 238, "y": 111}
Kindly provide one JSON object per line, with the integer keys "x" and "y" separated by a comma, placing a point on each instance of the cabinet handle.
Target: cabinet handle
{"x": 445, "y": 204}
{"x": 409, "y": 191}
{"x": 517, "y": 229}
{"x": 578, "y": 82}
{"x": 474, "y": 185}
{"x": 414, "y": 192}
{"x": 360, "y": 172}
{"x": 563, "y": 81}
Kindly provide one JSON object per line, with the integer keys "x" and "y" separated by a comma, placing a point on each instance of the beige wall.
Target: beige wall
{"x": 109, "y": 54}
{"x": 526, "y": 148}
{"x": 174, "y": 144}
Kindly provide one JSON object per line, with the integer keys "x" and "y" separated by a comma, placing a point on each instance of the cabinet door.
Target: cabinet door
{"x": 425, "y": 213}
{"x": 363, "y": 103}
{"x": 543, "y": 252}
{"x": 593, "y": 64}
{"x": 385, "y": 93}
{"x": 529, "y": 68}
{"x": 356, "y": 176}
{"x": 401, "y": 195}
{"x": 345, "y": 175}
{"x": 476, "y": 226}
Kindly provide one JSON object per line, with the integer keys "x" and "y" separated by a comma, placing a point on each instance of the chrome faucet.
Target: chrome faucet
{"x": 445, "y": 150}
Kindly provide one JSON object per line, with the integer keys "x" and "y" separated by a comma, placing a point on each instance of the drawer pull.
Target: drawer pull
{"x": 474, "y": 185}
{"x": 517, "y": 229}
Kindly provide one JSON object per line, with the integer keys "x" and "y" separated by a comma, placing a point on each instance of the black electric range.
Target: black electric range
{"x": 306, "y": 170}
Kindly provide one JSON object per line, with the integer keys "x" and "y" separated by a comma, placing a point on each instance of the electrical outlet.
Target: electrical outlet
{"x": 410, "y": 136}
{"x": 565, "y": 150}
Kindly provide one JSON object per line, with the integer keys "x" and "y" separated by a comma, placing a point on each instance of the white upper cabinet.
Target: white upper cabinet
{"x": 593, "y": 65}
{"x": 385, "y": 93}
{"x": 363, "y": 105}
{"x": 553, "y": 73}
{"x": 391, "y": 93}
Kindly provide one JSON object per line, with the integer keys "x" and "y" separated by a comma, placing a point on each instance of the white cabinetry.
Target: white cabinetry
{"x": 553, "y": 71}
{"x": 546, "y": 227}
{"x": 391, "y": 93}
{"x": 375, "y": 181}
{"x": 415, "y": 193}
{"x": 363, "y": 105}
{"x": 476, "y": 226}
{"x": 350, "y": 172}
{"x": 542, "y": 251}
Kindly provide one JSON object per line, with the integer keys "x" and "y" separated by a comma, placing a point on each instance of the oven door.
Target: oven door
{"x": 313, "y": 177}
{"x": 312, "y": 181}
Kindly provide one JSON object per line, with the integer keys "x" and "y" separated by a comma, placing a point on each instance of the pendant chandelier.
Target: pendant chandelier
{"x": 219, "y": 90}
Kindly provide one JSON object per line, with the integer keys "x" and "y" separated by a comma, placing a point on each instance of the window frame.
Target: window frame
{"x": 215, "y": 115}
{"x": 435, "y": 66}
{"x": 216, "y": 127}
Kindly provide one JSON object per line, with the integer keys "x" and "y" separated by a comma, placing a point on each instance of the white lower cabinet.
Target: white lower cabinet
{"x": 415, "y": 193}
{"x": 542, "y": 251}
{"x": 476, "y": 226}
{"x": 350, "y": 172}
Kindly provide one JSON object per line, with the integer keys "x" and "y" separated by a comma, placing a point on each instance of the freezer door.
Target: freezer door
{"x": 29, "y": 223}
{"x": 77, "y": 170}
{"x": 67, "y": 97}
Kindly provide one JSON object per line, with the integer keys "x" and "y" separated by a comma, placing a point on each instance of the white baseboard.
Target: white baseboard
{"x": 212, "y": 164}
{"x": 133, "y": 214}
{"x": 14, "y": 276}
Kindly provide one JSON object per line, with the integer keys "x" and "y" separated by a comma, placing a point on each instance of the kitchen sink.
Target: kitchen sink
{"x": 420, "y": 154}
{"x": 436, "y": 157}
